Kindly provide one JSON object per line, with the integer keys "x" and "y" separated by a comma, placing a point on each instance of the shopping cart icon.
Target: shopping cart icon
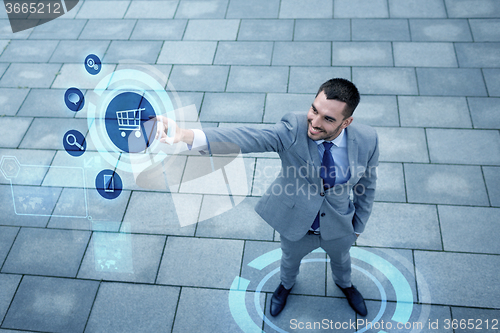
{"x": 130, "y": 120}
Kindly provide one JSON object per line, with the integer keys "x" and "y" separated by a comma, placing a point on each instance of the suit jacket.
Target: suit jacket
{"x": 292, "y": 202}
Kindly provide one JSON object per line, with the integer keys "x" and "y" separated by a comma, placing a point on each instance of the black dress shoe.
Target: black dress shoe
{"x": 278, "y": 301}
{"x": 355, "y": 299}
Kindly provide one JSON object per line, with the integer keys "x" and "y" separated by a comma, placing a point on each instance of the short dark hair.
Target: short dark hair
{"x": 341, "y": 90}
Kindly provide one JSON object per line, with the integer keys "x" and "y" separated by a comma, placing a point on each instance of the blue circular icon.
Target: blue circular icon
{"x": 74, "y": 99}
{"x": 127, "y": 122}
{"x": 93, "y": 64}
{"x": 109, "y": 184}
{"x": 74, "y": 143}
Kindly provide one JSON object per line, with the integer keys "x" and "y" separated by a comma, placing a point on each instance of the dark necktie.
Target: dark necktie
{"x": 327, "y": 173}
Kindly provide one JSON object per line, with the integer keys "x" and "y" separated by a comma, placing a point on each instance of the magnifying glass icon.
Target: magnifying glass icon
{"x": 74, "y": 142}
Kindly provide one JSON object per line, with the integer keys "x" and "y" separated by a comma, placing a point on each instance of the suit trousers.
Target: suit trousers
{"x": 337, "y": 250}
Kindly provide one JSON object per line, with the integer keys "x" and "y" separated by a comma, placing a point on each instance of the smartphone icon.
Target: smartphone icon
{"x": 109, "y": 184}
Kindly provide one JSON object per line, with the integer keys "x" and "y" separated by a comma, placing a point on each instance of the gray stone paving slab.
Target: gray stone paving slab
{"x": 492, "y": 178}
{"x": 202, "y": 9}
{"x": 45, "y": 103}
{"x": 400, "y": 259}
{"x": 240, "y": 222}
{"x": 469, "y": 8}
{"x": 266, "y": 171}
{"x": 244, "y": 53}
{"x": 470, "y": 229}
{"x": 199, "y": 78}
{"x": 478, "y": 54}
{"x": 420, "y": 111}
{"x": 360, "y": 9}
{"x": 319, "y": 308}
{"x": 3, "y": 68}
{"x": 47, "y": 252}
{"x": 73, "y": 75}
{"x": 417, "y": 8}
{"x": 482, "y": 320}
{"x": 458, "y": 278}
{"x": 258, "y": 79}
{"x": 11, "y": 99}
{"x": 29, "y": 75}
{"x": 390, "y": 183}
{"x": 58, "y": 29}
{"x": 445, "y": 184}
{"x": 35, "y": 165}
{"x": 411, "y": 54}
{"x": 309, "y": 9}
{"x": 277, "y": 105}
{"x": 309, "y": 79}
{"x": 253, "y": 9}
{"x": 492, "y": 78}
{"x": 133, "y": 308}
{"x": 485, "y": 30}
{"x": 255, "y": 249}
{"x": 450, "y": 146}
{"x": 188, "y": 98}
{"x": 211, "y": 29}
{"x": 321, "y": 30}
{"x": 235, "y": 107}
{"x": 8, "y": 286}
{"x": 184, "y": 52}
{"x": 6, "y": 31}
{"x": 205, "y": 308}
{"x": 162, "y": 214}
{"x": 159, "y": 29}
{"x": 101, "y": 214}
{"x": 440, "y": 30}
{"x": 377, "y": 111}
{"x": 48, "y": 133}
{"x": 403, "y": 225}
{"x": 204, "y": 256}
{"x": 67, "y": 171}
{"x": 13, "y": 130}
{"x": 51, "y": 304}
{"x": 43, "y": 200}
{"x": 75, "y": 51}
{"x": 385, "y": 80}
{"x": 422, "y": 316}
{"x": 451, "y": 82}
{"x": 266, "y": 30}
{"x": 108, "y": 29}
{"x": 380, "y": 30}
{"x": 106, "y": 9}
{"x": 402, "y": 144}
{"x": 302, "y": 54}
{"x": 197, "y": 182}
{"x": 131, "y": 51}
{"x": 7, "y": 236}
{"x": 122, "y": 257}
{"x": 362, "y": 54}
{"x": 152, "y": 10}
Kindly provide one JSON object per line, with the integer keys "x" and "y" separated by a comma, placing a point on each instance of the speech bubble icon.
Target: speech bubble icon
{"x": 74, "y": 98}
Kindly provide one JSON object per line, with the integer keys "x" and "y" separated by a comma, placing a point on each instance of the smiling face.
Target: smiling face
{"x": 326, "y": 118}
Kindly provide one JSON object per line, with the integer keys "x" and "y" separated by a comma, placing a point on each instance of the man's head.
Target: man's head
{"x": 332, "y": 109}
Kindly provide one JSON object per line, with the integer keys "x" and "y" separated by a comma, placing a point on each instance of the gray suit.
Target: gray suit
{"x": 292, "y": 202}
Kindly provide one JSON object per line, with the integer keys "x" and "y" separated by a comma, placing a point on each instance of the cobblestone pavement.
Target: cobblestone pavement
{"x": 428, "y": 72}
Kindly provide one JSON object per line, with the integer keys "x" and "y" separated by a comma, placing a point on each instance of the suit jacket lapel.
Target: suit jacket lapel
{"x": 313, "y": 152}
{"x": 352, "y": 151}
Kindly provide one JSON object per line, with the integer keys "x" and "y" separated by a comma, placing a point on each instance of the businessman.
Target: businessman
{"x": 325, "y": 157}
